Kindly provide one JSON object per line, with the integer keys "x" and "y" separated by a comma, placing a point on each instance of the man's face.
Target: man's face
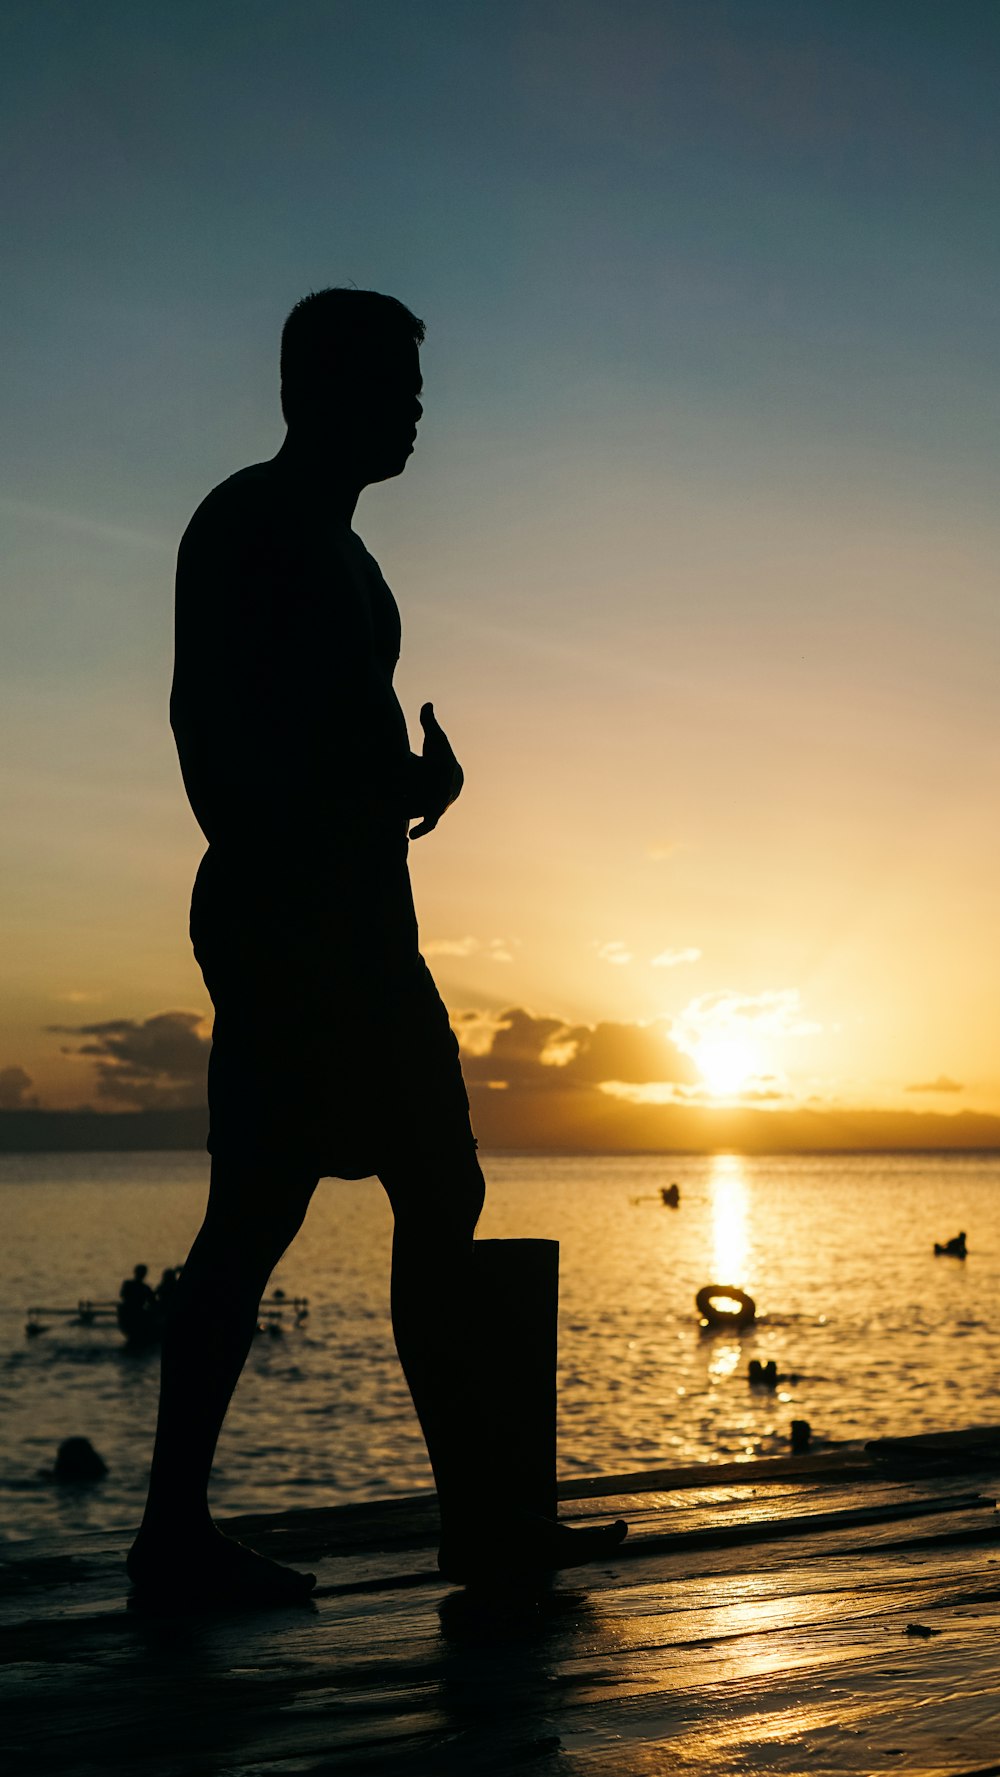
{"x": 380, "y": 413}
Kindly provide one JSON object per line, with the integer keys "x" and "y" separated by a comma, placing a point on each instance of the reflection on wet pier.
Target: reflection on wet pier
{"x": 818, "y": 1614}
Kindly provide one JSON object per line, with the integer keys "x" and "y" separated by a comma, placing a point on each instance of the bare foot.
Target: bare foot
{"x": 525, "y": 1548}
{"x": 209, "y": 1569}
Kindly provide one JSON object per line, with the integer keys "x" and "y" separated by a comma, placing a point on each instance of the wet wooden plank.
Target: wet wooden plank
{"x": 574, "y": 1680}
{"x": 363, "y": 1546}
{"x": 703, "y": 1650}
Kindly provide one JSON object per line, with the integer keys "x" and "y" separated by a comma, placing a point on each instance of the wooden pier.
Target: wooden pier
{"x": 810, "y": 1615}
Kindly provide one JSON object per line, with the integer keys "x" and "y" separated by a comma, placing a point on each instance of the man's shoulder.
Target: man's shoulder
{"x": 235, "y": 511}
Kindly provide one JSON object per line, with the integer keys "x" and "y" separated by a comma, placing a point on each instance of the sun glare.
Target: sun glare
{"x": 727, "y": 1063}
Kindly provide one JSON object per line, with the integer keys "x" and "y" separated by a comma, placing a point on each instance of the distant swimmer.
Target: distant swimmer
{"x": 135, "y": 1291}
{"x": 166, "y": 1289}
{"x": 332, "y": 1051}
{"x": 137, "y": 1316}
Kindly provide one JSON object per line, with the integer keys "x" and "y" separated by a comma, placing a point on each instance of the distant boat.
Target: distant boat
{"x": 143, "y": 1326}
{"x": 668, "y": 1195}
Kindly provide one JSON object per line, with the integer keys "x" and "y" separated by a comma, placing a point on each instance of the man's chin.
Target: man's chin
{"x": 390, "y": 468}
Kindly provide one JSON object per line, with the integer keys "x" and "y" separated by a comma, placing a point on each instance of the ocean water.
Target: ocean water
{"x": 872, "y": 1333}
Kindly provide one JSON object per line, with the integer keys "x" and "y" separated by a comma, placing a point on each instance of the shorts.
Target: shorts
{"x": 334, "y": 1077}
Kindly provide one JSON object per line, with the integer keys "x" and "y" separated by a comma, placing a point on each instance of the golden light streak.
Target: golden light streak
{"x": 729, "y": 1220}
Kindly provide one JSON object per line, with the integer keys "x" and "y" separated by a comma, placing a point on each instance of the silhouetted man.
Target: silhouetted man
{"x": 136, "y": 1302}
{"x": 332, "y": 1052}
{"x": 135, "y": 1292}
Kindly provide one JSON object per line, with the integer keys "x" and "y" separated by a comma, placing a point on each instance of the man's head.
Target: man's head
{"x": 350, "y": 378}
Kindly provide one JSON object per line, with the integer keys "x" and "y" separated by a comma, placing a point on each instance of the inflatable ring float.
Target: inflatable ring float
{"x": 723, "y": 1305}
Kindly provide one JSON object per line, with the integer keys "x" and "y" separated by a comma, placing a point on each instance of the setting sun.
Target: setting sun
{"x": 728, "y": 1063}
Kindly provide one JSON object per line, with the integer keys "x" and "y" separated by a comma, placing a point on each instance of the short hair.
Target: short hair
{"x": 328, "y": 331}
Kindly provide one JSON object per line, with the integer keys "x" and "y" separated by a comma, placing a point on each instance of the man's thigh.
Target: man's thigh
{"x": 247, "y": 1196}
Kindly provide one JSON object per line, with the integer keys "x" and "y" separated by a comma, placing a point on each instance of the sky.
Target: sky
{"x": 696, "y": 555}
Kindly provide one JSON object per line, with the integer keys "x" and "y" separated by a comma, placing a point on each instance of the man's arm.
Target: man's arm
{"x": 285, "y": 723}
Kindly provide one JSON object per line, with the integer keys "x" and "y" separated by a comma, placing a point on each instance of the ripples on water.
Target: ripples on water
{"x": 838, "y": 1253}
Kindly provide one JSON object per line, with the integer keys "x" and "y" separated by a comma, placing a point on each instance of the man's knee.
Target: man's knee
{"x": 438, "y": 1197}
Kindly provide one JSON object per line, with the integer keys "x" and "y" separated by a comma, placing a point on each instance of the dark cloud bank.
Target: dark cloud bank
{"x": 159, "y": 1064}
{"x": 534, "y": 1082}
{"x": 15, "y": 1090}
{"x": 548, "y": 1055}
{"x": 521, "y": 1100}
{"x": 147, "y": 1075}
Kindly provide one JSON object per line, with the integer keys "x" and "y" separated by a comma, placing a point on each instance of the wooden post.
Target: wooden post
{"x": 515, "y": 1307}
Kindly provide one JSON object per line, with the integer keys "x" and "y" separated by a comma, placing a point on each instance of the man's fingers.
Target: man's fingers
{"x": 443, "y": 775}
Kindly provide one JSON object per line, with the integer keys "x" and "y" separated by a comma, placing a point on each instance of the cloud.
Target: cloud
{"x": 672, "y": 959}
{"x": 475, "y": 1031}
{"x": 495, "y": 950}
{"x": 547, "y": 1054}
{"x": 615, "y": 952}
{"x": 83, "y": 524}
{"x": 759, "y": 1088}
{"x": 941, "y": 1084}
{"x": 157, "y": 1064}
{"x": 775, "y": 1013}
{"x": 501, "y": 950}
{"x": 654, "y": 1092}
{"x": 641, "y": 1054}
{"x": 508, "y": 1047}
{"x": 15, "y": 1090}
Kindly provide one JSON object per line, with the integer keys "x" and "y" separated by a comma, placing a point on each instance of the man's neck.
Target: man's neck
{"x": 319, "y": 470}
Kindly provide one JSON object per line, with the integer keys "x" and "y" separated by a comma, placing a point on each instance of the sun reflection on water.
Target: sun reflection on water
{"x": 729, "y": 1219}
{"x": 724, "y": 1359}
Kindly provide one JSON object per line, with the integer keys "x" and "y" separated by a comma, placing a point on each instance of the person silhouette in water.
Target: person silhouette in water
{"x": 332, "y": 1053}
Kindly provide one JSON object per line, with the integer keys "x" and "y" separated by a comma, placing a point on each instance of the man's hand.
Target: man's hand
{"x": 440, "y": 777}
